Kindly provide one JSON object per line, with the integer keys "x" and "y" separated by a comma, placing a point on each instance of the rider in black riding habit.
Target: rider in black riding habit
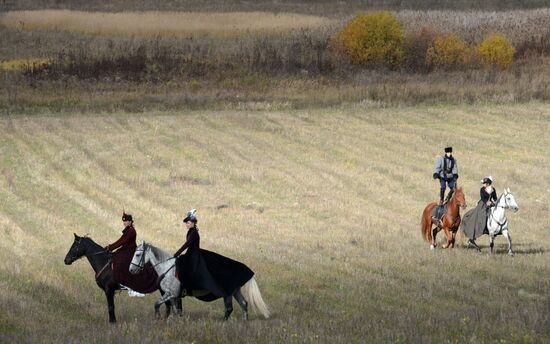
{"x": 474, "y": 222}
{"x": 203, "y": 270}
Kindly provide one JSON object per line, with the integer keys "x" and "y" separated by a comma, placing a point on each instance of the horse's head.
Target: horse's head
{"x": 509, "y": 200}
{"x": 460, "y": 198}
{"x": 139, "y": 259}
{"x": 76, "y": 251}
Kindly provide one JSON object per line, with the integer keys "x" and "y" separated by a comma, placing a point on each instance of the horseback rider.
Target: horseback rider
{"x": 487, "y": 193}
{"x": 123, "y": 250}
{"x": 474, "y": 222}
{"x": 446, "y": 170}
{"x": 127, "y": 242}
{"x": 203, "y": 270}
{"x": 189, "y": 261}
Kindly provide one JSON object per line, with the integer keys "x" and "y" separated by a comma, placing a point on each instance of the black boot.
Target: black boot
{"x": 449, "y": 195}
{"x": 441, "y": 196}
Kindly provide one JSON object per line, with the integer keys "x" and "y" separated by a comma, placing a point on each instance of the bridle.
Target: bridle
{"x": 497, "y": 205}
{"x": 141, "y": 263}
{"x": 74, "y": 258}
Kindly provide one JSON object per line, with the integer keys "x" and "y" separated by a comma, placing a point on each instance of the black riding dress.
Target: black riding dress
{"x": 202, "y": 270}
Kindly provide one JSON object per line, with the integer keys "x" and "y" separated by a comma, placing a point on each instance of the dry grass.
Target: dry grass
{"x": 520, "y": 26}
{"x": 337, "y": 248}
{"x": 153, "y": 23}
{"x": 21, "y": 64}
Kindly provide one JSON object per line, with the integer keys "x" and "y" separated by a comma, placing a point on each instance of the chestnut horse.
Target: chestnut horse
{"x": 449, "y": 223}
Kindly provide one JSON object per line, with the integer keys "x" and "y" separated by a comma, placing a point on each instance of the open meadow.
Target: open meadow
{"x": 312, "y": 170}
{"x": 323, "y": 205}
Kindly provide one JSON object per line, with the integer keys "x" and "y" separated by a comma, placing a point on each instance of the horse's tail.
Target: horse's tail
{"x": 426, "y": 223}
{"x": 251, "y": 293}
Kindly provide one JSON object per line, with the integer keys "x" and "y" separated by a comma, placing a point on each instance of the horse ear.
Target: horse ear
{"x": 508, "y": 190}
{"x": 75, "y": 236}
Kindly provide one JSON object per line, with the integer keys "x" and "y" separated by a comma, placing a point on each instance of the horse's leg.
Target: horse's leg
{"x": 110, "y": 294}
{"x": 242, "y": 302}
{"x": 453, "y": 237}
{"x": 228, "y": 301}
{"x": 168, "y": 305}
{"x": 509, "y": 238}
{"x": 448, "y": 236}
{"x": 491, "y": 242}
{"x": 434, "y": 230}
{"x": 179, "y": 305}
{"x": 165, "y": 298}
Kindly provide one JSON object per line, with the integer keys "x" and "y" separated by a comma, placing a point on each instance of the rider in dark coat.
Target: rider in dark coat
{"x": 446, "y": 170}
{"x": 474, "y": 222}
{"x": 202, "y": 270}
{"x": 146, "y": 280}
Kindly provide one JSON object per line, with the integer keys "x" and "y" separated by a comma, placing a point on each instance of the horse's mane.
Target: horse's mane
{"x": 158, "y": 253}
{"x": 89, "y": 239}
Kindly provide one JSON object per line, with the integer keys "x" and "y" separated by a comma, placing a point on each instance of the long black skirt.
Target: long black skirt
{"x": 205, "y": 271}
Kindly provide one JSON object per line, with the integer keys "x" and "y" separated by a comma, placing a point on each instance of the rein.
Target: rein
{"x": 141, "y": 263}
{"x": 109, "y": 260}
{"x": 458, "y": 205}
{"x": 497, "y": 205}
{"x": 102, "y": 269}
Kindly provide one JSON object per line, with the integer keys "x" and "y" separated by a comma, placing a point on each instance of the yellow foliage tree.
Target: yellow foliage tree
{"x": 372, "y": 38}
{"x": 448, "y": 52}
{"x": 496, "y": 50}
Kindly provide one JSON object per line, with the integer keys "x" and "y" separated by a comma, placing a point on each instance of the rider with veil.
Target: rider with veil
{"x": 205, "y": 271}
{"x": 474, "y": 222}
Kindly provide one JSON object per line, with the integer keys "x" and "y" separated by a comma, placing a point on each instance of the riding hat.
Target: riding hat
{"x": 191, "y": 216}
{"x": 487, "y": 179}
{"x": 448, "y": 149}
{"x": 127, "y": 217}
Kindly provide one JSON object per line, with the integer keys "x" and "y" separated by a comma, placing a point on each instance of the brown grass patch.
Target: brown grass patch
{"x": 155, "y": 23}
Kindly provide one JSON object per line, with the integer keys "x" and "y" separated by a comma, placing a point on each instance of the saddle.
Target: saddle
{"x": 439, "y": 211}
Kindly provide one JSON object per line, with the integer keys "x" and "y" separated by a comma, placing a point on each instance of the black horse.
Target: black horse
{"x": 100, "y": 260}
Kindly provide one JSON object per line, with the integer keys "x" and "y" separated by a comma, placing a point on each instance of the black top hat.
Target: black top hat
{"x": 448, "y": 149}
{"x": 126, "y": 217}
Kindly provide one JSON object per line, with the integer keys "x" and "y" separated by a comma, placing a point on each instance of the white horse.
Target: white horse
{"x": 497, "y": 223}
{"x": 164, "y": 265}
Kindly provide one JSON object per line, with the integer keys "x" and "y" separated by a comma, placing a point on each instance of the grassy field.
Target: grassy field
{"x": 324, "y": 205}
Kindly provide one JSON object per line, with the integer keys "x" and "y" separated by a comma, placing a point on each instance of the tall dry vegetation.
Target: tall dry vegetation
{"x": 290, "y": 69}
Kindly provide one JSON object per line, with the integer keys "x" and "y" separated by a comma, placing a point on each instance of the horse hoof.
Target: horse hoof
{"x": 432, "y": 247}
{"x": 511, "y": 254}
